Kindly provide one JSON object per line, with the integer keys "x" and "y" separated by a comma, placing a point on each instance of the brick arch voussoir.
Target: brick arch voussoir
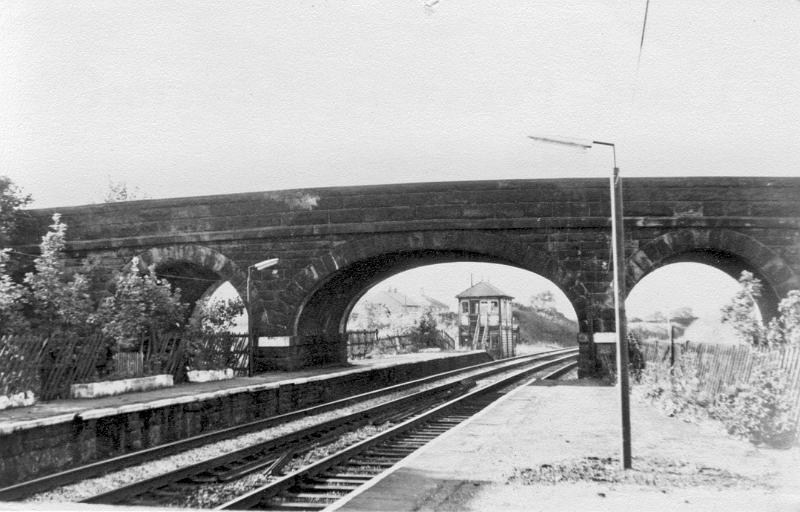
{"x": 314, "y": 276}
{"x": 657, "y": 252}
{"x": 200, "y": 255}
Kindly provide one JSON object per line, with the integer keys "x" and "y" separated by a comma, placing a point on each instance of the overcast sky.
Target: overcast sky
{"x": 189, "y": 98}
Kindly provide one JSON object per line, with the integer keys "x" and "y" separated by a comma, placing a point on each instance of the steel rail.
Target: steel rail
{"x": 47, "y": 482}
{"x": 295, "y": 442}
{"x": 559, "y": 372}
{"x": 256, "y": 496}
{"x": 301, "y": 440}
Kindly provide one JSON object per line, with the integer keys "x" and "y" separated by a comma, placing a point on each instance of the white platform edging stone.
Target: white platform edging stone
{"x": 21, "y": 399}
{"x": 117, "y": 387}
{"x": 209, "y": 375}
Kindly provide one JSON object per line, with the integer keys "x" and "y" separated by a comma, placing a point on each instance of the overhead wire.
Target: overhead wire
{"x": 641, "y": 41}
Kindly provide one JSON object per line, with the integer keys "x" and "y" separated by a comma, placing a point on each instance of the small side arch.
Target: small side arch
{"x": 195, "y": 269}
{"x": 724, "y": 249}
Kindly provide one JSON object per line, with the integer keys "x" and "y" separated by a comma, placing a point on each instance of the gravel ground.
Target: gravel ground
{"x": 649, "y": 471}
{"x": 94, "y": 486}
{"x": 217, "y": 494}
{"x": 554, "y": 447}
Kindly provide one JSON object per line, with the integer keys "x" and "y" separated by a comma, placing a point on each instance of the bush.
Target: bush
{"x": 760, "y": 410}
{"x": 425, "y": 332}
{"x": 636, "y": 361}
{"x": 678, "y": 389}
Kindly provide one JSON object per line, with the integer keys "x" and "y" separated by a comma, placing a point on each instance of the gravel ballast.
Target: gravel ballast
{"x": 111, "y": 481}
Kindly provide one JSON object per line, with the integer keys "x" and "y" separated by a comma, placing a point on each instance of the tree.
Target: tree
{"x": 59, "y": 299}
{"x": 741, "y": 311}
{"x": 12, "y": 300}
{"x": 119, "y": 191}
{"x": 785, "y": 328}
{"x": 425, "y": 332}
{"x": 216, "y": 316}
{"x": 140, "y": 304}
{"x": 683, "y": 316}
{"x": 11, "y": 201}
{"x": 544, "y": 303}
{"x": 742, "y": 314}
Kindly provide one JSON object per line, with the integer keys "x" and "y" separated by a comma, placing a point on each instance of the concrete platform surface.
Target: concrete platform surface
{"x": 469, "y": 468}
{"x": 57, "y": 411}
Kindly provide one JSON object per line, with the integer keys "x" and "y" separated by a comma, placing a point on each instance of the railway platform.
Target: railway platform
{"x": 56, "y": 435}
{"x": 480, "y": 464}
{"x": 60, "y": 410}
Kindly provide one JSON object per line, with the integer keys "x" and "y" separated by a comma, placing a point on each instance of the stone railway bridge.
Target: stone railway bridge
{"x": 335, "y": 243}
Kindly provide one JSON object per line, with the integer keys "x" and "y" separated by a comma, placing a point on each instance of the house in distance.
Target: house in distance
{"x": 485, "y": 321}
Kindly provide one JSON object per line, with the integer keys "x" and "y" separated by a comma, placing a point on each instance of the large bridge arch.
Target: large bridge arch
{"x": 724, "y": 249}
{"x": 557, "y": 228}
{"x": 336, "y": 281}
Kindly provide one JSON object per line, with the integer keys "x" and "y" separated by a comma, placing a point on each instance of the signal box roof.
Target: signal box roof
{"x": 482, "y": 290}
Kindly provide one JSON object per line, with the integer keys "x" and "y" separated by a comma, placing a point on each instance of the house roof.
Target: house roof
{"x": 482, "y": 289}
{"x": 435, "y": 303}
{"x": 393, "y": 298}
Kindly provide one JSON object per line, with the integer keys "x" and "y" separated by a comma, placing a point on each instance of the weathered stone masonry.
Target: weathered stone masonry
{"x": 70, "y": 440}
{"x": 334, "y": 243}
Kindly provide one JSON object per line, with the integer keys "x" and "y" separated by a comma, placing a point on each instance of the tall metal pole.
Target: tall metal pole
{"x": 618, "y": 242}
{"x": 618, "y": 248}
{"x": 261, "y": 265}
{"x": 251, "y": 348}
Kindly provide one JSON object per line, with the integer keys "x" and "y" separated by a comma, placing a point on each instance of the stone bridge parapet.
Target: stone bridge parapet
{"x": 335, "y": 243}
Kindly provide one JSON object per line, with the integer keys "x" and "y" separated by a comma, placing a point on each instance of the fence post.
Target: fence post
{"x": 671, "y": 344}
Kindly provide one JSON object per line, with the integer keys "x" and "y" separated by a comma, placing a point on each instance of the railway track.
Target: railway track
{"x": 42, "y": 484}
{"x": 267, "y": 458}
{"x": 329, "y": 480}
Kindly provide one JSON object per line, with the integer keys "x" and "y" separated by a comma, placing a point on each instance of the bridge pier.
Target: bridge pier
{"x": 335, "y": 243}
{"x": 288, "y": 353}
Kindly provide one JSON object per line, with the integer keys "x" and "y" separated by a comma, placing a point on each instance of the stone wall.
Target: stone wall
{"x": 98, "y": 434}
{"x": 334, "y": 243}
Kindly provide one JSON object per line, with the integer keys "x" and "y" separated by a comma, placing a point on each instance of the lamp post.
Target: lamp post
{"x": 261, "y": 265}
{"x": 618, "y": 249}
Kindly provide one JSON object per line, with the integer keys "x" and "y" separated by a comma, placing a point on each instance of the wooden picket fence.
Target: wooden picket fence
{"x": 721, "y": 365}
{"x": 219, "y": 351}
{"x": 48, "y": 366}
{"x": 172, "y": 354}
{"x": 19, "y": 363}
{"x": 361, "y": 343}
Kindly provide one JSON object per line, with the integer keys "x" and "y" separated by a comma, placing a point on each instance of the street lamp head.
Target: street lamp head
{"x": 261, "y": 265}
{"x": 575, "y": 143}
